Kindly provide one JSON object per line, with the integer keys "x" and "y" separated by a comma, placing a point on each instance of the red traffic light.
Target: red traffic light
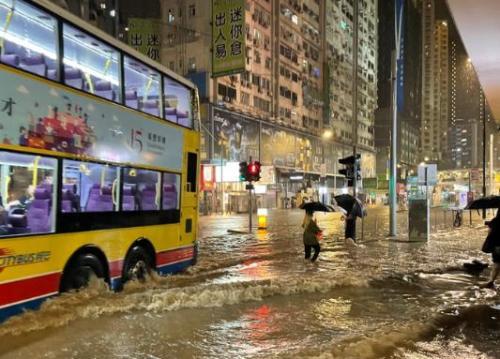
{"x": 253, "y": 171}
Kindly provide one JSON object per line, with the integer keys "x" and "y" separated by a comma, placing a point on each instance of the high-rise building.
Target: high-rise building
{"x": 409, "y": 101}
{"x": 339, "y": 74}
{"x": 435, "y": 84}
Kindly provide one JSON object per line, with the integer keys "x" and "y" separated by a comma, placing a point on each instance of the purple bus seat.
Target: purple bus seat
{"x": 93, "y": 198}
{"x": 11, "y": 48}
{"x": 183, "y": 118}
{"x": 171, "y": 114}
{"x": 45, "y": 186}
{"x": 106, "y": 198}
{"x": 17, "y": 218}
{"x": 99, "y": 200}
{"x": 128, "y": 199}
{"x": 69, "y": 199}
{"x": 151, "y": 106}
{"x": 131, "y": 99}
{"x": 34, "y": 64}
{"x": 73, "y": 77}
{"x": 10, "y": 59}
{"x": 52, "y": 74}
{"x": 104, "y": 89}
{"x": 39, "y": 212}
{"x": 148, "y": 198}
{"x": 66, "y": 206}
{"x": 169, "y": 197}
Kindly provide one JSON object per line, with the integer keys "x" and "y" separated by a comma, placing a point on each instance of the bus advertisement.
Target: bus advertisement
{"x": 99, "y": 155}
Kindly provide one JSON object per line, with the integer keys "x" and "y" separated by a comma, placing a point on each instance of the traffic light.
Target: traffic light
{"x": 243, "y": 171}
{"x": 353, "y": 168}
{"x": 253, "y": 171}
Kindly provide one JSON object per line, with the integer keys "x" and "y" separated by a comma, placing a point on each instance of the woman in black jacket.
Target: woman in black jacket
{"x": 492, "y": 243}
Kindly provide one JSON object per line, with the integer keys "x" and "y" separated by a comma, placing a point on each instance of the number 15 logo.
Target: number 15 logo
{"x": 136, "y": 140}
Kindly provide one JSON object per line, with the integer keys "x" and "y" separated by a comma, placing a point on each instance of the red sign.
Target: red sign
{"x": 207, "y": 182}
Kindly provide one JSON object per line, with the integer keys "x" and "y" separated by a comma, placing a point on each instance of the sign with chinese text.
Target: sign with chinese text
{"x": 38, "y": 114}
{"x": 228, "y": 37}
{"x": 144, "y": 36}
{"x": 207, "y": 177}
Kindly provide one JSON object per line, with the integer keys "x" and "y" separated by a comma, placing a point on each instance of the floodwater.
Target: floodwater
{"x": 254, "y": 296}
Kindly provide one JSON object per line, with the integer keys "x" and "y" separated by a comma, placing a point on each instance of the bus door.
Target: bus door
{"x": 189, "y": 213}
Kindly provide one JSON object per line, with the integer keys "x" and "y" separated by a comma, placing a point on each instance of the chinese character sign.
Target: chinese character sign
{"x": 228, "y": 37}
{"x": 144, "y": 36}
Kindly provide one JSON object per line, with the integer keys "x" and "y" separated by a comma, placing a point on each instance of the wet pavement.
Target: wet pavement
{"x": 254, "y": 296}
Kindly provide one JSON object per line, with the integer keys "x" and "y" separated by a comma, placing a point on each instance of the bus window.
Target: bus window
{"x": 89, "y": 187}
{"x": 29, "y": 38}
{"x": 140, "y": 190}
{"x": 142, "y": 87}
{"x": 90, "y": 64}
{"x": 177, "y": 100}
{"x": 171, "y": 186}
{"x": 27, "y": 194}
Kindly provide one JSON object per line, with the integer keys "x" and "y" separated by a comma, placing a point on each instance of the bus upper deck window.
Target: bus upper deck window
{"x": 90, "y": 64}
{"x": 142, "y": 87}
{"x": 177, "y": 102}
{"x": 30, "y": 38}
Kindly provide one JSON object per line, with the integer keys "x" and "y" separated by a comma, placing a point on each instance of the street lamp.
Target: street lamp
{"x": 327, "y": 134}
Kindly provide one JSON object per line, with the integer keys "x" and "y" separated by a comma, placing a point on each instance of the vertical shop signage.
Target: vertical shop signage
{"x": 228, "y": 37}
{"x": 144, "y": 36}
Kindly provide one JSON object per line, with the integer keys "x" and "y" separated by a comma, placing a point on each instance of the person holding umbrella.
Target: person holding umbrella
{"x": 492, "y": 245}
{"x": 492, "y": 242}
{"x": 311, "y": 229}
{"x": 354, "y": 209}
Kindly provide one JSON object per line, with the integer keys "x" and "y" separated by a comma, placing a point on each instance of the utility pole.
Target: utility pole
{"x": 393, "y": 153}
{"x": 355, "y": 91}
{"x": 483, "y": 114}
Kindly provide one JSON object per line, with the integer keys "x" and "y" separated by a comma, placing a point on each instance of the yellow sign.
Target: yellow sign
{"x": 144, "y": 36}
{"x": 228, "y": 37}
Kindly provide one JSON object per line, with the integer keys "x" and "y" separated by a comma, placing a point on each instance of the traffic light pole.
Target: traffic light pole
{"x": 355, "y": 93}
{"x": 250, "y": 206}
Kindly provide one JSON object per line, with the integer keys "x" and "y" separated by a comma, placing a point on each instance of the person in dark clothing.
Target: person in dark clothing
{"x": 350, "y": 226}
{"x": 494, "y": 236}
{"x": 311, "y": 230}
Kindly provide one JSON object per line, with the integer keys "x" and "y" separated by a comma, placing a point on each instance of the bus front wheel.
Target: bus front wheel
{"x": 80, "y": 271}
{"x": 137, "y": 265}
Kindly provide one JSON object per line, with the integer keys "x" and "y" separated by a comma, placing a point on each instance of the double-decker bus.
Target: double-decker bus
{"x": 98, "y": 159}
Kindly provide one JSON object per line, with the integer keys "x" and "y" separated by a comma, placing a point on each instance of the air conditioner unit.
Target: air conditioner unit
{"x": 227, "y": 99}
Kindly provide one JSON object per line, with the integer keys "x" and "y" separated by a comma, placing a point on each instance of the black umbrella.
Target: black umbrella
{"x": 485, "y": 203}
{"x": 315, "y": 207}
{"x": 351, "y": 205}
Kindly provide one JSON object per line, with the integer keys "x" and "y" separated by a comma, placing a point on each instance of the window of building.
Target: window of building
{"x": 29, "y": 39}
{"x": 89, "y": 187}
{"x": 90, "y": 64}
{"x": 142, "y": 87}
{"x": 140, "y": 190}
{"x": 192, "y": 10}
{"x": 27, "y": 193}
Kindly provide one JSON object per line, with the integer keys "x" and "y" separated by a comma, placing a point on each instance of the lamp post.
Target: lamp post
{"x": 327, "y": 135}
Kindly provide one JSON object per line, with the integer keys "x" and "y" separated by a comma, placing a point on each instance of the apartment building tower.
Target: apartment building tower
{"x": 435, "y": 83}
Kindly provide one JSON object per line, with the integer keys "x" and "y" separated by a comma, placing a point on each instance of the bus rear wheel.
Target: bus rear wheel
{"x": 80, "y": 271}
{"x": 137, "y": 265}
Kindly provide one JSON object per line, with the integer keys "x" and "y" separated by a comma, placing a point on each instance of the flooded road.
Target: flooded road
{"x": 254, "y": 296}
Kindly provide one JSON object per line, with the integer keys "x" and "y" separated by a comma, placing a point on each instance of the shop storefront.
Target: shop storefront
{"x": 295, "y": 166}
